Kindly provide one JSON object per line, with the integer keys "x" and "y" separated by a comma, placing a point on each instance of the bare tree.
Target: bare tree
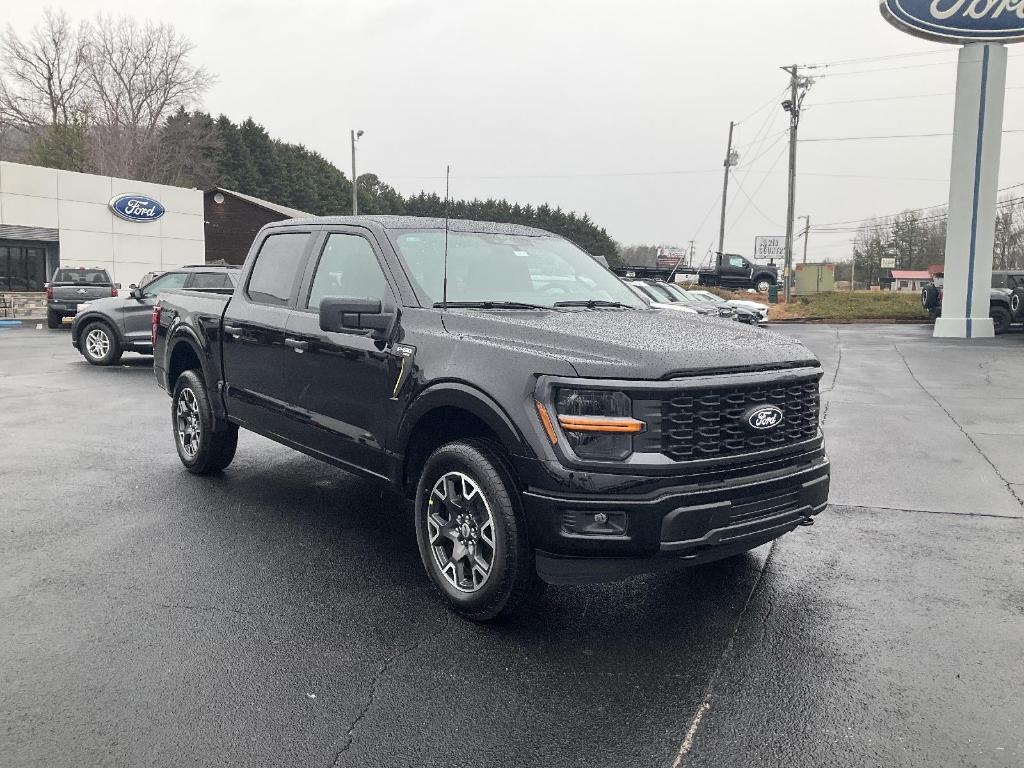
{"x": 139, "y": 76}
{"x": 44, "y": 78}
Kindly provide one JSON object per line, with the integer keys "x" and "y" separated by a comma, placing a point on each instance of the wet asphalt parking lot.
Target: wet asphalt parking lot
{"x": 279, "y": 615}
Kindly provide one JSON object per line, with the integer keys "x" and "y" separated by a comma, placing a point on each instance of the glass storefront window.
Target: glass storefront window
{"x": 22, "y": 268}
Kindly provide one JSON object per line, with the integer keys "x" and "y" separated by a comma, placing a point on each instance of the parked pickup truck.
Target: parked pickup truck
{"x": 734, "y": 271}
{"x": 72, "y": 286}
{"x": 549, "y": 425}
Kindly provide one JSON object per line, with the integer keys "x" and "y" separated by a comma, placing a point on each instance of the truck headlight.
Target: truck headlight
{"x": 598, "y": 424}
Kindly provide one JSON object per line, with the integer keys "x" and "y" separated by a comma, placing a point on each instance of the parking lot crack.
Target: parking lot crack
{"x": 1009, "y": 486}
{"x": 839, "y": 361}
{"x": 709, "y": 691}
{"x": 383, "y": 668}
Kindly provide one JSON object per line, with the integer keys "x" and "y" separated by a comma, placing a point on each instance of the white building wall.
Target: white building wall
{"x": 76, "y": 204}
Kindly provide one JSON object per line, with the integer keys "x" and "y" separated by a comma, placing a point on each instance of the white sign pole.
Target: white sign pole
{"x": 973, "y": 188}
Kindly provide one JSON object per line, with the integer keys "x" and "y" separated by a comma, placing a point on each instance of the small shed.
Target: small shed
{"x": 814, "y": 278}
{"x": 910, "y": 280}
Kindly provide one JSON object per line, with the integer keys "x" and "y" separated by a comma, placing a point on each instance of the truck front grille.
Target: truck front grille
{"x": 711, "y": 423}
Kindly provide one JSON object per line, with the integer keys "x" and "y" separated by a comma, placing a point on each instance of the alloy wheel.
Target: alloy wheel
{"x": 189, "y": 426}
{"x": 460, "y": 530}
{"x": 97, "y": 343}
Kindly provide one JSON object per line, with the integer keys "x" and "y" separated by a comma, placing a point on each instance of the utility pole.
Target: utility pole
{"x": 797, "y": 90}
{"x": 731, "y": 159}
{"x": 355, "y": 185}
{"x": 807, "y": 235}
{"x": 690, "y": 260}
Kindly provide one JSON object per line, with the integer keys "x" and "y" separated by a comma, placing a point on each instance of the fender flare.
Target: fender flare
{"x": 773, "y": 279}
{"x": 89, "y": 316}
{"x": 457, "y": 394}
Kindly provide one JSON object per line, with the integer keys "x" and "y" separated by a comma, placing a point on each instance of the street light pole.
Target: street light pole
{"x": 355, "y": 185}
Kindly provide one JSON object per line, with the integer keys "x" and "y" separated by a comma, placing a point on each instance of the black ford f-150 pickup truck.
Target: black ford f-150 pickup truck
{"x": 549, "y": 424}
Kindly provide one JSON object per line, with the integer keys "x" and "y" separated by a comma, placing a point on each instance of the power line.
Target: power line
{"x": 869, "y": 59}
{"x": 835, "y": 227}
{"x": 767, "y": 218}
{"x": 894, "y": 136}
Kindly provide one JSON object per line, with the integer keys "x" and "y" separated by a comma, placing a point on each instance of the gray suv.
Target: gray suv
{"x": 106, "y": 328}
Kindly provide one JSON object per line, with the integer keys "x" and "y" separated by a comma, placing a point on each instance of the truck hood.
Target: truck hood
{"x": 630, "y": 344}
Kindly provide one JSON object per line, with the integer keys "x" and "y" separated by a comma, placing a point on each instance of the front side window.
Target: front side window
{"x": 275, "y": 274}
{"x": 348, "y": 268}
{"x": 737, "y": 262}
{"x": 172, "y": 281}
{"x": 488, "y": 267}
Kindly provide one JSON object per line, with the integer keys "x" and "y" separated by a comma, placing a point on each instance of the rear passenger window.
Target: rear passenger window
{"x": 348, "y": 268}
{"x": 210, "y": 280}
{"x": 273, "y": 279}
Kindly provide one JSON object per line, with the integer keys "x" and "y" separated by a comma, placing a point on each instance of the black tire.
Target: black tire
{"x": 1001, "y": 319}
{"x": 929, "y": 297}
{"x": 54, "y": 319}
{"x": 99, "y": 344}
{"x": 511, "y": 579}
{"x": 205, "y": 446}
{"x": 1017, "y": 304}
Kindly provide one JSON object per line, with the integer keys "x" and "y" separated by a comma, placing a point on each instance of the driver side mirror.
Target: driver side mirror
{"x": 344, "y": 315}
{"x": 136, "y": 293}
{"x": 131, "y": 287}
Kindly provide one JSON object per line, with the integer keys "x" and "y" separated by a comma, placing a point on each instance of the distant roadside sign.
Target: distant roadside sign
{"x": 888, "y": 263}
{"x": 770, "y": 247}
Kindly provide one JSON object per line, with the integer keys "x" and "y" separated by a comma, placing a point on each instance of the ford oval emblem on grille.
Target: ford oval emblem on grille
{"x": 764, "y": 417}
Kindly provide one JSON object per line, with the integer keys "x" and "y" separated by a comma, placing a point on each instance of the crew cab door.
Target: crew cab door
{"x": 343, "y": 380}
{"x": 259, "y": 378}
{"x": 735, "y": 271}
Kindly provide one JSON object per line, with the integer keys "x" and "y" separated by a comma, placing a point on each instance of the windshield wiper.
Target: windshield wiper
{"x": 593, "y": 304}
{"x": 490, "y": 305}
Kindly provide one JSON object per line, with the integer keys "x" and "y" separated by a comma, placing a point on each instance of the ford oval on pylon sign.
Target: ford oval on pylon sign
{"x": 137, "y": 208}
{"x": 958, "y": 21}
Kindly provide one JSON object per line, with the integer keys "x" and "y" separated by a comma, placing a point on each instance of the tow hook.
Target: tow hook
{"x": 807, "y": 521}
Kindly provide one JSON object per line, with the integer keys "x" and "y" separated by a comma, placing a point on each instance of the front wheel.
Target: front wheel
{"x": 472, "y": 533}
{"x": 1001, "y": 319}
{"x": 204, "y": 446}
{"x": 100, "y": 345}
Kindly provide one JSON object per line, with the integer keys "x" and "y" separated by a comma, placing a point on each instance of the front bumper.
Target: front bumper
{"x": 671, "y": 523}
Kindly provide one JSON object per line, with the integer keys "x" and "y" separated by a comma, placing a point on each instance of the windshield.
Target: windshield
{"x": 482, "y": 268}
{"x": 705, "y": 296}
{"x": 663, "y": 293}
{"x": 82, "y": 276}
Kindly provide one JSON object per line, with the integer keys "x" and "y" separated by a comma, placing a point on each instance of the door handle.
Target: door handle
{"x": 298, "y": 346}
{"x": 233, "y": 330}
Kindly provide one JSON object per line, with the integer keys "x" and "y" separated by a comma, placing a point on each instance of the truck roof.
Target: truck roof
{"x": 421, "y": 222}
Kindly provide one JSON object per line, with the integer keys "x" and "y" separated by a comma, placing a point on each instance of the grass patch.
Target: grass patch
{"x": 859, "y": 305}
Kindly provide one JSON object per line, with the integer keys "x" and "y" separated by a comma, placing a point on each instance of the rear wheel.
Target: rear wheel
{"x": 53, "y": 319}
{"x": 763, "y": 285}
{"x": 472, "y": 533}
{"x": 99, "y": 344}
{"x": 1001, "y": 319}
{"x": 204, "y": 446}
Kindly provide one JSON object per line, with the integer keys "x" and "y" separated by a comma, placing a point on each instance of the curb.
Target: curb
{"x": 859, "y": 321}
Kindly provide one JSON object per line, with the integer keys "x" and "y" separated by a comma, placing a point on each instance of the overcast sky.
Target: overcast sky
{"x": 619, "y": 109}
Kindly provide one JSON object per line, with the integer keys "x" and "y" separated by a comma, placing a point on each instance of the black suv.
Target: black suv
{"x": 1006, "y": 299}
{"x": 545, "y": 420}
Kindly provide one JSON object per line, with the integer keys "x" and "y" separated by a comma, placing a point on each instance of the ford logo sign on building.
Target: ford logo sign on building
{"x": 764, "y": 417}
{"x": 959, "y": 21}
{"x": 137, "y": 208}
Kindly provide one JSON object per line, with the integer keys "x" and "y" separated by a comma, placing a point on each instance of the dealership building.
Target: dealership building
{"x": 51, "y": 218}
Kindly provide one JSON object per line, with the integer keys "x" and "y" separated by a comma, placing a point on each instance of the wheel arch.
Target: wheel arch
{"x": 446, "y": 412}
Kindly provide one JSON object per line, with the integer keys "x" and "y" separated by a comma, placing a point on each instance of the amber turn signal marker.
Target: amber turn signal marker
{"x": 601, "y": 424}
{"x": 546, "y": 421}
